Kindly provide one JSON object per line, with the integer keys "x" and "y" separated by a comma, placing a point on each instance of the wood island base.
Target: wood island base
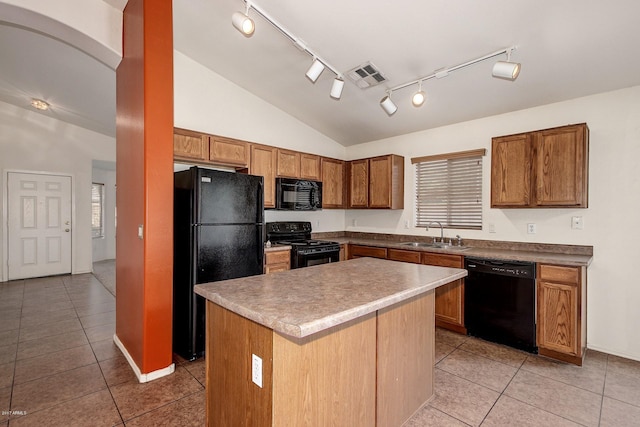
{"x": 376, "y": 370}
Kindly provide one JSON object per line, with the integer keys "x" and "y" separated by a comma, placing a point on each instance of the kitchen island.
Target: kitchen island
{"x": 349, "y": 343}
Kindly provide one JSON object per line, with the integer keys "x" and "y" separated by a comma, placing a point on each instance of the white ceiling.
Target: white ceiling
{"x": 567, "y": 49}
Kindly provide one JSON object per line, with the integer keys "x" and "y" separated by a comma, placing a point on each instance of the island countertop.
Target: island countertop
{"x": 304, "y": 301}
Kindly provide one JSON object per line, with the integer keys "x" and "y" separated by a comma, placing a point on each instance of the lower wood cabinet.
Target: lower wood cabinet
{"x": 561, "y": 314}
{"x": 275, "y": 261}
{"x": 357, "y": 251}
{"x": 450, "y": 297}
{"x": 449, "y": 304}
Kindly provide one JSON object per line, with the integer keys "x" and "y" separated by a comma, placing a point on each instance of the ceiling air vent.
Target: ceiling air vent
{"x": 366, "y": 75}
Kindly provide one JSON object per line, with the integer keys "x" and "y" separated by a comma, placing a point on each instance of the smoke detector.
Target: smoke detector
{"x": 366, "y": 75}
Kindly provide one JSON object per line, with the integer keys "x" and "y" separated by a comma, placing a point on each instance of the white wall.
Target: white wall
{"x": 30, "y": 141}
{"x": 609, "y": 222}
{"x": 206, "y": 102}
{"x": 105, "y": 247}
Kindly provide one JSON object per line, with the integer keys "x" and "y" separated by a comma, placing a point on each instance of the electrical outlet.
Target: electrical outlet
{"x": 354, "y": 222}
{"x": 492, "y": 227}
{"x": 407, "y": 223}
{"x": 531, "y": 228}
{"x": 256, "y": 370}
{"x": 576, "y": 223}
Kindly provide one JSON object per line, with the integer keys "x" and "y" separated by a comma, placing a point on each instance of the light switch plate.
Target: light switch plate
{"x": 256, "y": 370}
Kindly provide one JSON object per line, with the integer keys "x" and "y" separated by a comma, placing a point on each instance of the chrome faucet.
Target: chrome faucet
{"x": 441, "y": 230}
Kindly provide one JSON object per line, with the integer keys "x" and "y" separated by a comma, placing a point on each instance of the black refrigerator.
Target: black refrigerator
{"x": 218, "y": 235}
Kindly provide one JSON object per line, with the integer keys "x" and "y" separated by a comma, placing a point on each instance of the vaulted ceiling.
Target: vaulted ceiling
{"x": 567, "y": 49}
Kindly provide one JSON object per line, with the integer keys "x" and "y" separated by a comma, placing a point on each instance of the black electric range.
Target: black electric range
{"x": 305, "y": 251}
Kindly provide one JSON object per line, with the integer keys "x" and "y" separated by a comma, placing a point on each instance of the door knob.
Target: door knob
{"x": 66, "y": 229}
{"x": 66, "y": 223}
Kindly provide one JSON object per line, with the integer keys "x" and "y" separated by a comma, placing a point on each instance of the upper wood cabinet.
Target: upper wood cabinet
{"x": 210, "y": 149}
{"x": 188, "y": 145}
{"x": 359, "y": 183}
{"x": 294, "y": 164}
{"x": 333, "y": 184}
{"x": 541, "y": 169}
{"x": 229, "y": 151}
{"x": 310, "y": 167}
{"x": 263, "y": 163}
{"x": 561, "y": 313}
{"x": 288, "y": 164}
{"x": 377, "y": 182}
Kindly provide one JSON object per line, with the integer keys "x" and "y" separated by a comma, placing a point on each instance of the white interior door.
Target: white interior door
{"x": 39, "y": 227}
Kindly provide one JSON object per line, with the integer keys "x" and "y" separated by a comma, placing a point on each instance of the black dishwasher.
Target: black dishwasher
{"x": 500, "y": 302}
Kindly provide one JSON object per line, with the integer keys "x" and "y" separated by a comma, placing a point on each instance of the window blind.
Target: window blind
{"x": 449, "y": 190}
{"x": 97, "y": 209}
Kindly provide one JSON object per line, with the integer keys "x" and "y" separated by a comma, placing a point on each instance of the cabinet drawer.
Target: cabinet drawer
{"x": 442, "y": 260}
{"x": 404, "y": 256}
{"x": 277, "y": 257}
{"x": 558, "y": 273}
{"x": 362, "y": 251}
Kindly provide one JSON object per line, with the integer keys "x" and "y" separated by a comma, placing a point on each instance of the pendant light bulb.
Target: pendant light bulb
{"x": 243, "y": 23}
{"x": 419, "y": 97}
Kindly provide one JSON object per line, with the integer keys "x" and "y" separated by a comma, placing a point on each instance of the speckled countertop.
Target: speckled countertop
{"x": 308, "y": 300}
{"x": 518, "y": 253}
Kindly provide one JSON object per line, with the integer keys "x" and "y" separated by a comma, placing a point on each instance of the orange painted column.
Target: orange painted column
{"x": 144, "y": 179}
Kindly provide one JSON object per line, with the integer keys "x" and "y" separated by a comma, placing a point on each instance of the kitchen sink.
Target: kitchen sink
{"x": 420, "y": 244}
{"x": 436, "y": 245}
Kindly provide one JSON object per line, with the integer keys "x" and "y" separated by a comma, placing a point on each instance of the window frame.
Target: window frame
{"x": 462, "y": 212}
{"x": 98, "y": 232}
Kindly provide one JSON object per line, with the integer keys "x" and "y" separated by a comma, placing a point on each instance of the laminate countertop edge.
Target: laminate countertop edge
{"x": 301, "y": 302}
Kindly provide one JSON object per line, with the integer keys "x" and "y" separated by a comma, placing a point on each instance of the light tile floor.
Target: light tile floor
{"x": 59, "y": 367}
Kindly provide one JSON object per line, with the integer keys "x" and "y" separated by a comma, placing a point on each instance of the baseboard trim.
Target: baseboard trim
{"x": 143, "y": 378}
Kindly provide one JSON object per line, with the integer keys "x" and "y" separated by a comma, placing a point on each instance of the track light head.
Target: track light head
{"x": 315, "y": 70}
{"x": 387, "y": 105}
{"x": 243, "y": 23}
{"x": 419, "y": 97}
{"x": 506, "y": 69}
{"x": 336, "y": 88}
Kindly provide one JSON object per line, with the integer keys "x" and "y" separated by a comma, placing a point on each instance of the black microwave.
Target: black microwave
{"x": 298, "y": 194}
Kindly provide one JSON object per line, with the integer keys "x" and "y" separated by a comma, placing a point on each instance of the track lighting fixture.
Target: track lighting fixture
{"x": 243, "y": 23}
{"x": 336, "y": 88}
{"x": 387, "y": 104}
{"x": 506, "y": 69}
{"x": 502, "y": 69}
{"x": 246, "y": 26}
{"x": 419, "y": 97}
{"x": 315, "y": 70}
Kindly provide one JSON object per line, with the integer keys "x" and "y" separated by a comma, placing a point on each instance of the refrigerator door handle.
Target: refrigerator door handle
{"x": 260, "y": 218}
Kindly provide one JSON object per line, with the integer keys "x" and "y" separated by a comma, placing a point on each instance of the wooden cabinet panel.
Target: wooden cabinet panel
{"x": 404, "y": 256}
{"x": 263, "y": 163}
{"x": 541, "y": 169}
{"x": 359, "y": 183}
{"x": 310, "y": 167}
{"x": 333, "y": 184}
{"x": 188, "y": 145}
{"x": 450, "y": 297}
{"x": 561, "y": 312}
{"x": 288, "y": 164}
{"x": 561, "y": 167}
{"x": 227, "y": 151}
{"x": 511, "y": 170}
{"x": 377, "y": 182}
{"x": 386, "y": 182}
{"x": 344, "y": 253}
{"x": 357, "y": 251}
{"x": 275, "y": 261}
